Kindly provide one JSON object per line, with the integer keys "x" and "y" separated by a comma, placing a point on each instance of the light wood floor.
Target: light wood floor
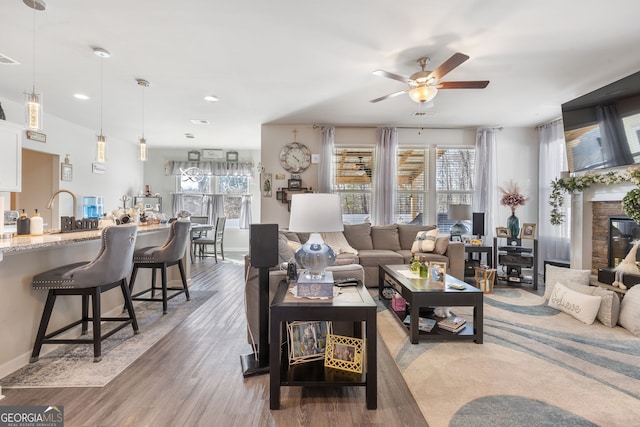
{"x": 193, "y": 377}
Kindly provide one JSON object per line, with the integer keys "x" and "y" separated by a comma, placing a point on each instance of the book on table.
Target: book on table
{"x": 452, "y": 323}
{"x": 424, "y": 323}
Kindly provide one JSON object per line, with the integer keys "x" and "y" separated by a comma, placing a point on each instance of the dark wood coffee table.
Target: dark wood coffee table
{"x": 420, "y": 293}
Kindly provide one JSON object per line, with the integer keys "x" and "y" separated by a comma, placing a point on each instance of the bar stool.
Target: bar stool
{"x": 154, "y": 257}
{"x": 89, "y": 279}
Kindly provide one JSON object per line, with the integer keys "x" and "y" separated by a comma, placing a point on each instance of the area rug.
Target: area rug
{"x": 73, "y": 366}
{"x": 537, "y": 367}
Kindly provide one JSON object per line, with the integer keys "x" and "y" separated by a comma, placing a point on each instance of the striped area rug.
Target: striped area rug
{"x": 537, "y": 367}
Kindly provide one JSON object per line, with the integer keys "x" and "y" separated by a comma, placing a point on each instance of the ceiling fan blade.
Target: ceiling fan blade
{"x": 448, "y": 65}
{"x": 479, "y": 84}
{"x": 393, "y": 76}
{"x": 391, "y": 95}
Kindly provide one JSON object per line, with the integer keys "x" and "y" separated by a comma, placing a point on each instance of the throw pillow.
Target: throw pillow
{"x": 285, "y": 253}
{"x": 407, "y": 233}
{"x": 609, "y": 307}
{"x": 442, "y": 244}
{"x": 425, "y": 241}
{"x": 564, "y": 275}
{"x": 630, "y": 311}
{"x": 338, "y": 243}
{"x": 581, "y": 306}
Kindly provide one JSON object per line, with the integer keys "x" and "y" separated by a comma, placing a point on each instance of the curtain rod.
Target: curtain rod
{"x": 316, "y": 126}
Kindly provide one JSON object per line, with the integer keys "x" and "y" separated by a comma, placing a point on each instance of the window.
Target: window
{"x": 412, "y": 185}
{"x": 454, "y": 181}
{"x": 353, "y": 172}
{"x": 196, "y": 189}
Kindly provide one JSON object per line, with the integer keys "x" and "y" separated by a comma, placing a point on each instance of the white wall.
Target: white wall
{"x": 517, "y": 160}
{"x": 123, "y": 172}
{"x": 160, "y": 182}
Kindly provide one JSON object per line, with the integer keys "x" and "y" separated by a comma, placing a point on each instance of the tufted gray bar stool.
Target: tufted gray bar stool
{"x": 89, "y": 279}
{"x": 161, "y": 257}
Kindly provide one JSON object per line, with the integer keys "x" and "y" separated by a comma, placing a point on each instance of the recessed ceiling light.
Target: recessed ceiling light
{"x": 102, "y": 53}
{"x": 211, "y": 98}
{"x": 81, "y": 96}
{"x": 189, "y": 135}
{"x": 199, "y": 122}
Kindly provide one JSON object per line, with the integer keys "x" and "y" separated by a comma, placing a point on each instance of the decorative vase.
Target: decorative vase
{"x": 513, "y": 224}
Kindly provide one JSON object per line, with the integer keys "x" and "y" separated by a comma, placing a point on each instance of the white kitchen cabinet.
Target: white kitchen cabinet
{"x": 10, "y": 156}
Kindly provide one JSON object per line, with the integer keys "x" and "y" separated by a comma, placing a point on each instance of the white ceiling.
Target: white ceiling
{"x": 297, "y": 61}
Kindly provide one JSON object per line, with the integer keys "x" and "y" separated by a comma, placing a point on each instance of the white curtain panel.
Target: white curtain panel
{"x": 177, "y": 203}
{"x": 553, "y": 240}
{"x": 245, "y": 211}
{"x": 325, "y": 168}
{"x": 385, "y": 176}
{"x": 485, "y": 193}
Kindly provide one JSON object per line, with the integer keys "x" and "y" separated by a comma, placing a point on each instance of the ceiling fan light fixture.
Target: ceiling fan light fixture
{"x": 423, "y": 93}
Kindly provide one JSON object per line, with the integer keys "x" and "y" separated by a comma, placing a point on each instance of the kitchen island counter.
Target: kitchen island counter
{"x": 21, "y": 306}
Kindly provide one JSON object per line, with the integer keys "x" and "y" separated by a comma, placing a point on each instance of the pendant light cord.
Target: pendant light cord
{"x": 34, "y": 50}
{"x": 143, "y": 87}
{"x": 101, "y": 90}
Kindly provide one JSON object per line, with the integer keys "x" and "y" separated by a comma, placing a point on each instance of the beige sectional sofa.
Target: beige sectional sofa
{"x": 387, "y": 244}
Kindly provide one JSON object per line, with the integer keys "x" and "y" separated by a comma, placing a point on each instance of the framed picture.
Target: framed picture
{"x": 266, "y": 179}
{"x": 295, "y": 176}
{"x": 279, "y": 194}
{"x": 212, "y": 153}
{"x": 193, "y": 156}
{"x": 307, "y": 340}
{"x": 346, "y": 353}
{"x": 437, "y": 272}
{"x": 528, "y": 231}
{"x": 66, "y": 171}
{"x": 502, "y": 232}
{"x": 232, "y": 156}
{"x": 295, "y": 183}
{"x": 456, "y": 238}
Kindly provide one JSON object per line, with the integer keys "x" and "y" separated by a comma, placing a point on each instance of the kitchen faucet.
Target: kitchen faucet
{"x": 75, "y": 200}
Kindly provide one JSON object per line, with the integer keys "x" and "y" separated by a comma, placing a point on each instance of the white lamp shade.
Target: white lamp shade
{"x": 315, "y": 212}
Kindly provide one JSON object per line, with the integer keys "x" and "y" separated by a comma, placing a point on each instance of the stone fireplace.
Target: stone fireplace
{"x": 590, "y": 212}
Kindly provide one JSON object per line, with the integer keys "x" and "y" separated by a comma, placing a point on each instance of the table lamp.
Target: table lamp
{"x": 315, "y": 213}
{"x": 459, "y": 213}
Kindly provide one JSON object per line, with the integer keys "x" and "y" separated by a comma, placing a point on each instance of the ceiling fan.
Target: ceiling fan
{"x": 424, "y": 84}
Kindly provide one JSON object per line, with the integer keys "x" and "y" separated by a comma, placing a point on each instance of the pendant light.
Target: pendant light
{"x": 33, "y": 100}
{"x": 101, "y": 144}
{"x": 142, "y": 154}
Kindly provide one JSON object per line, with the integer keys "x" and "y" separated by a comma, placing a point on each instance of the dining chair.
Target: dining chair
{"x": 217, "y": 239}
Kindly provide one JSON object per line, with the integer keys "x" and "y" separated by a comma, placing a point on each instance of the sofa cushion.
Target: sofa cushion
{"x": 290, "y": 235}
{"x": 630, "y": 311}
{"x": 376, "y": 257}
{"x": 338, "y": 243}
{"x": 407, "y": 233}
{"x": 609, "y": 307}
{"x": 581, "y": 306}
{"x": 346, "y": 258}
{"x": 358, "y": 235}
{"x": 425, "y": 241}
{"x": 385, "y": 237}
{"x": 442, "y": 244}
{"x": 565, "y": 276}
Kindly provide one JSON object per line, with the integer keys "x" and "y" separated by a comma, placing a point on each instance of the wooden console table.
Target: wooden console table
{"x": 356, "y": 306}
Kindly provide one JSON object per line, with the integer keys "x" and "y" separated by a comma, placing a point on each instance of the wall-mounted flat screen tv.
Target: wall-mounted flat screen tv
{"x": 602, "y": 128}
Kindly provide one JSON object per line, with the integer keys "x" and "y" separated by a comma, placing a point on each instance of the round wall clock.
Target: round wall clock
{"x": 295, "y": 157}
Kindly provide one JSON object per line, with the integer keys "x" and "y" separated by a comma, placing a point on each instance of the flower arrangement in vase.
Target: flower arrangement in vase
{"x": 512, "y": 198}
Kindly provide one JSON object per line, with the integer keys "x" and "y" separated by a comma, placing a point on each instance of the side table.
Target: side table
{"x": 353, "y": 305}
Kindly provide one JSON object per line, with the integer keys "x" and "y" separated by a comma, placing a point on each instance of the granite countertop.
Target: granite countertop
{"x": 30, "y": 242}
